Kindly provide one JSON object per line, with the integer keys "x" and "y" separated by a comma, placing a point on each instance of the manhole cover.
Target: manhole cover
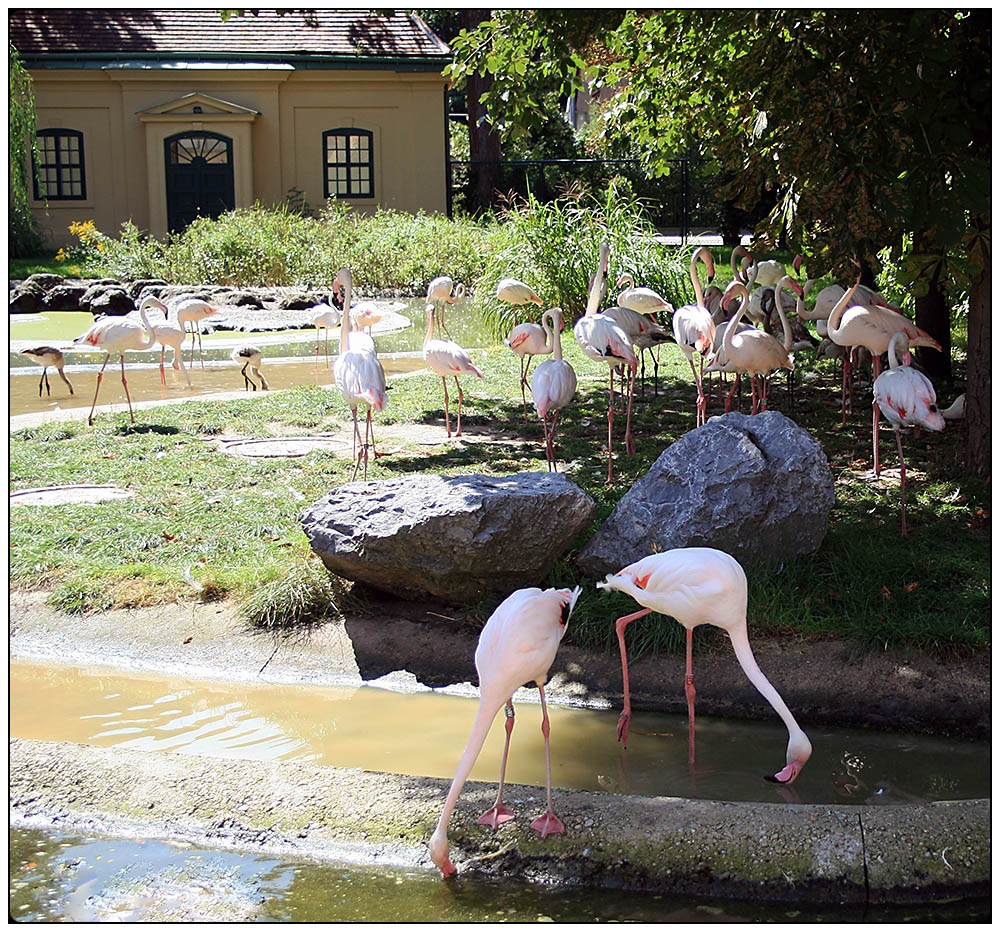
{"x": 69, "y": 495}
{"x": 284, "y": 446}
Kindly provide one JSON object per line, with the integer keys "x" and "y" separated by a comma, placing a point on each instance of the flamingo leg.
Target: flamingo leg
{"x": 549, "y": 823}
{"x": 732, "y": 391}
{"x": 698, "y": 397}
{"x": 355, "y": 455}
{"x": 62, "y": 375}
{"x": 876, "y": 413}
{"x": 201, "y": 356}
{"x": 611, "y": 418}
{"x": 179, "y": 364}
{"x": 629, "y": 444}
{"x": 843, "y": 387}
{"x": 623, "y": 720}
{"x": 497, "y": 814}
{"x": 163, "y": 375}
{"x": 247, "y": 381}
{"x": 524, "y": 384}
{"x": 552, "y": 440}
{"x": 447, "y": 419}
{"x": 100, "y": 375}
{"x": 902, "y": 479}
{"x": 131, "y": 414}
{"x": 458, "y": 433}
{"x": 690, "y": 693}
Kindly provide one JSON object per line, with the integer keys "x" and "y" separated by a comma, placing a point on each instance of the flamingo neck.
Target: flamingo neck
{"x": 151, "y": 338}
{"x": 898, "y": 338}
{"x": 429, "y": 335}
{"x": 345, "y": 320}
{"x": 727, "y": 337}
{"x": 699, "y": 298}
{"x": 594, "y": 298}
{"x": 552, "y": 333}
{"x": 786, "y": 328}
{"x": 833, "y": 322}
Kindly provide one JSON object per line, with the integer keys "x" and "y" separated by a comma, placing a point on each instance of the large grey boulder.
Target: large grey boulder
{"x": 452, "y": 537}
{"x": 759, "y": 488}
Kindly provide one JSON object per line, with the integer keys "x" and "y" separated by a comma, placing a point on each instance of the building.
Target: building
{"x": 160, "y": 116}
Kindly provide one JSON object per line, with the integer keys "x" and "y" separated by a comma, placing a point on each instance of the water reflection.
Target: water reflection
{"x": 360, "y": 728}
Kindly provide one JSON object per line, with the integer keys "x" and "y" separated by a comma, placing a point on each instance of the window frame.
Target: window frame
{"x": 329, "y": 187}
{"x": 46, "y": 195}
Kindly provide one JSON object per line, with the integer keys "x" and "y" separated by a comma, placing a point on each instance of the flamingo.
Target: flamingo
{"x": 643, "y": 300}
{"x": 517, "y": 646}
{"x": 516, "y": 292}
{"x": 447, "y": 358}
{"x": 193, "y": 311}
{"x": 251, "y": 357}
{"x": 872, "y": 327}
{"x": 603, "y": 340}
{"x": 169, "y": 333}
{"x": 701, "y": 585}
{"x": 118, "y": 335}
{"x": 643, "y": 331}
{"x": 754, "y": 351}
{"x": 527, "y": 340}
{"x": 441, "y": 291}
{"x": 769, "y": 272}
{"x": 325, "y": 316}
{"x": 358, "y": 375}
{"x": 47, "y": 356}
{"x": 553, "y": 383}
{"x": 366, "y": 316}
{"x": 694, "y": 328}
{"x": 906, "y": 397}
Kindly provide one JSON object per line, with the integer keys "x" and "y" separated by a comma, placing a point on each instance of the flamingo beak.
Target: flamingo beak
{"x": 787, "y": 774}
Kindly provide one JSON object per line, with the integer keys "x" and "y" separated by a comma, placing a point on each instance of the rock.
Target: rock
{"x": 44, "y": 280}
{"x": 759, "y": 488}
{"x": 452, "y": 537}
{"x": 106, "y": 299}
{"x": 65, "y": 297}
{"x": 244, "y": 299}
{"x": 296, "y": 301}
{"x": 152, "y": 286}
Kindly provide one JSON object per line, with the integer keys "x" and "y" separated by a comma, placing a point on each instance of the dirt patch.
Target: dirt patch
{"x": 69, "y": 495}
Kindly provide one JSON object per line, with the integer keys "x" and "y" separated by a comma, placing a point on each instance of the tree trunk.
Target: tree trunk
{"x": 934, "y": 316}
{"x": 484, "y": 141}
{"x": 978, "y": 409}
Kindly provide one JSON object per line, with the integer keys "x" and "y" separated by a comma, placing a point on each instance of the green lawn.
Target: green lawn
{"x": 207, "y": 525}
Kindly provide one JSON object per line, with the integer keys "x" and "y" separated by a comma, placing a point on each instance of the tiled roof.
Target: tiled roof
{"x": 172, "y": 33}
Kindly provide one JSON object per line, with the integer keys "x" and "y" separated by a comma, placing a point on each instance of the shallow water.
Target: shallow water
{"x": 291, "y": 357}
{"x": 71, "y": 878}
{"x": 423, "y": 733}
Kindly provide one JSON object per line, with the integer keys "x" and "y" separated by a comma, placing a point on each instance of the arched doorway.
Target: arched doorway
{"x": 199, "y": 174}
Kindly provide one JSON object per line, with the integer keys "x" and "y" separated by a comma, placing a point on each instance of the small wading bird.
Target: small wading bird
{"x": 553, "y": 384}
{"x": 694, "y": 329}
{"x": 448, "y": 360}
{"x": 47, "y": 356}
{"x": 324, "y": 316}
{"x": 116, "y": 336}
{"x": 359, "y": 376}
{"x": 643, "y": 300}
{"x": 169, "y": 333}
{"x": 527, "y": 339}
{"x": 907, "y": 398}
{"x": 517, "y": 646}
{"x": 441, "y": 291}
{"x": 193, "y": 311}
{"x": 696, "y": 586}
{"x": 603, "y": 340}
{"x": 251, "y": 357}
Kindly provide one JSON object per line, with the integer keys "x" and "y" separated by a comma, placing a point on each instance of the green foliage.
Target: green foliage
{"x": 24, "y": 238}
{"x": 302, "y": 595}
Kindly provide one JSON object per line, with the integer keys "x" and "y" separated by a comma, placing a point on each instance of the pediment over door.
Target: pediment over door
{"x": 197, "y": 106}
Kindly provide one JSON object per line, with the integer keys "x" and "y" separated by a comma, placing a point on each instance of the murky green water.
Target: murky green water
{"x": 359, "y": 727}
{"x": 70, "y": 878}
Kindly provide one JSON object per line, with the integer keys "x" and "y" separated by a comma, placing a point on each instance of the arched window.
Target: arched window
{"x": 348, "y": 163}
{"x": 59, "y": 171}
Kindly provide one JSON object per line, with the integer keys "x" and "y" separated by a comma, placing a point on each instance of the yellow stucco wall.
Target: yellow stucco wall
{"x": 276, "y": 124}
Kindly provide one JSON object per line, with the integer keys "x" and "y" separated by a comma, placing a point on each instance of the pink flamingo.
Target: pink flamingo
{"x": 872, "y": 327}
{"x": 553, "y": 383}
{"x": 193, "y": 311}
{"x": 700, "y": 585}
{"x": 603, "y": 340}
{"x": 641, "y": 299}
{"x": 447, "y": 359}
{"x": 441, "y": 291}
{"x": 907, "y": 398}
{"x": 694, "y": 328}
{"x": 118, "y": 335}
{"x": 325, "y": 316}
{"x": 526, "y": 339}
{"x": 359, "y": 376}
{"x": 169, "y": 333}
{"x": 47, "y": 356}
{"x": 517, "y": 646}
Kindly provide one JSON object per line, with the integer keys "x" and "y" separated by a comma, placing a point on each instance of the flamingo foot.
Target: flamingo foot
{"x": 623, "y": 723}
{"x": 495, "y": 816}
{"x": 786, "y": 774}
{"x": 548, "y": 824}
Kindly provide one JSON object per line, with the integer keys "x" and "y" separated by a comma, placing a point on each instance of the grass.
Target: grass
{"x": 205, "y": 525}
{"x": 22, "y": 268}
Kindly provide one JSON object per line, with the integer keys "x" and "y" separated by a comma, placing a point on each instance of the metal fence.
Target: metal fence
{"x": 679, "y": 202}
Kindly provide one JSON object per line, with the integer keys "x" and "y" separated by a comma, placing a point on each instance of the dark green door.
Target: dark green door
{"x": 199, "y": 177}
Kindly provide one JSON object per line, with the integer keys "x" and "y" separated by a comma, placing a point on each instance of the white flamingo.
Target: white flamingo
{"x": 517, "y": 646}
{"x": 441, "y": 291}
{"x": 603, "y": 340}
{"x": 251, "y": 357}
{"x": 696, "y": 586}
{"x": 324, "y": 316}
{"x": 907, "y": 398}
{"x": 448, "y": 360}
{"x": 694, "y": 329}
{"x": 193, "y": 311}
{"x": 645, "y": 333}
{"x": 169, "y": 333}
{"x": 553, "y": 384}
{"x": 641, "y": 299}
{"x": 117, "y": 336}
{"x": 527, "y": 341}
{"x": 513, "y": 291}
{"x": 359, "y": 376}
{"x": 47, "y": 356}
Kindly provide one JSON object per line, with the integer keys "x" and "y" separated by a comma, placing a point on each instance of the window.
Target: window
{"x": 188, "y": 148}
{"x": 59, "y": 174}
{"x": 348, "y": 168}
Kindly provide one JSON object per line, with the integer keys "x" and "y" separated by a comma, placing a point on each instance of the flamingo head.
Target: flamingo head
{"x": 799, "y": 751}
{"x": 438, "y": 847}
{"x": 797, "y": 263}
{"x": 625, "y": 279}
{"x": 735, "y": 288}
{"x": 705, "y": 254}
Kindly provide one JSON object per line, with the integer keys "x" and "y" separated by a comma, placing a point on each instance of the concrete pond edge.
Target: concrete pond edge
{"x": 904, "y": 854}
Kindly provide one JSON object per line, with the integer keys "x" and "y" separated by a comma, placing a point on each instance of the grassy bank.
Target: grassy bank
{"x": 206, "y": 525}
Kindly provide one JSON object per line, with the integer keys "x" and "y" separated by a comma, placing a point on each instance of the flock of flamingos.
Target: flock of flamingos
{"x": 694, "y": 585}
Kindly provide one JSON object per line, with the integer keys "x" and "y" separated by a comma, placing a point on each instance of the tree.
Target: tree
{"x": 871, "y": 127}
{"x": 22, "y": 231}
